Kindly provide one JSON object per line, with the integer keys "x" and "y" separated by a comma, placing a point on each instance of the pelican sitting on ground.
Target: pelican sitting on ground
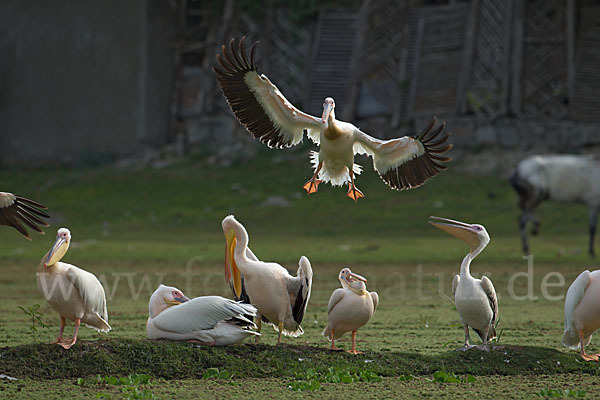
{"x": 75, "y": 294}
{"x": 16, "y": 211}
{"x": 582, "y": 312}
{"x": 280, "y": 298}
{"x": 475, "y": 299}
{"x": 349, "y": 308}
{"x": 211, "y": 320}
{"x": 258, "y": 104}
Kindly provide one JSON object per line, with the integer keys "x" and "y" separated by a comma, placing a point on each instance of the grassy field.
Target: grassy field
{"x": 135, "y": 228}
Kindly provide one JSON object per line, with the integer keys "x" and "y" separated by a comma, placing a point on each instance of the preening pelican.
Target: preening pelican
{"x": 75, "y": 294}
{"x": 258, "y": 104}
{"x": 211, "y": 320}
{"x": 349, "y": 308}
{"x": 475, "y": 299}
{"x": 16, "y": 211}
{"x": 582, "y": 312}
{"x": 280, "y": 298}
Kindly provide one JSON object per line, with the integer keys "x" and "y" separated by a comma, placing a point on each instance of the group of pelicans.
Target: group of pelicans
{"x": 266, "y": 291}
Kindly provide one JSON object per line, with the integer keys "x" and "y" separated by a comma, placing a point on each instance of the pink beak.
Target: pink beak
{"x": 326, "y": 111}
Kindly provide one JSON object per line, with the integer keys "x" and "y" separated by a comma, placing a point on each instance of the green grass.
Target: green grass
{"x": 135, "y": 228}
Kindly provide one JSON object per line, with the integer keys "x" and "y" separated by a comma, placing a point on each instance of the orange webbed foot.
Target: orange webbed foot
{"x": 590, "y": 357}
{"x": 355, "y": 352}
{"x": 335, "y": 348}
{"x": 312, "y": 186}
{"x": 354, "y": 193}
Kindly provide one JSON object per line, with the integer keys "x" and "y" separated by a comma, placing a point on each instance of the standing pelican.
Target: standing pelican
{"x": 212, "y": 320}
{"x": 349, "y": 308}
{"x": 75, "y": 294}
{"x": 280, "y": 298}
{"x": 258, "y": 104}
{"x": 16, "y": 211}
{"x": 475, "y": 299}
{"x": 582, "y": 312}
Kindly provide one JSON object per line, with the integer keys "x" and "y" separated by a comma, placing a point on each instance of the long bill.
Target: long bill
{"x": 461, "y": 230}
{"x": 232, "y": 272}
{"x": 327, "y": 108}
{"x": 57, "y": 252}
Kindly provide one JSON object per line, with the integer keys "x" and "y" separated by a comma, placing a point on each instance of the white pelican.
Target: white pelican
{"x": 211, "y": 320}
{"x": 258, "y": 104}
{"x": 16, "y": 210}
{"x": 475, "y": 299}
{"x": 280, "y": 298}
{"x": 75, "y": 294}
{"x": 582, "y": 312}
{"x": 349, "y": 308}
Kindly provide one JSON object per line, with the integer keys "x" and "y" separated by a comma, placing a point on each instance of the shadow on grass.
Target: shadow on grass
{"x": 172, "y": 360}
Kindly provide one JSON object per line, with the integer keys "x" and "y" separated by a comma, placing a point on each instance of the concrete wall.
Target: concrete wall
{"x": 83, "y": 79}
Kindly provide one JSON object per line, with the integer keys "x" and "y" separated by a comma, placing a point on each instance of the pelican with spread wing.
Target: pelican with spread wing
{"x": 75, "y": 294}
{"x": 16, "y": 210}
{"x": 475, "y": 299}
{"x": 280, "y": 298}
{"x": 403, "y": 163}
{"x": 210, "y": 320}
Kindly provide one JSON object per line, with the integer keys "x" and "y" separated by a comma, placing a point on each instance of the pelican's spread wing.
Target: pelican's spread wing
{"x": 490, "y": 292}
{"x": 407, "y": 162}
{"x": 258, "y": 104}
{"x": 574, "y": 296}
{"x": 299, "y": 289}
{"x": 91, "y": 292}
{"x": 336, "y": 297}
{"x": 202, "y": 313}
{"x": 16, "y": 211}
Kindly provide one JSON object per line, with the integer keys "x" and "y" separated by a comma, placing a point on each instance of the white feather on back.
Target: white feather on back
{"x": 91, "y": 292}
{"x": 387, "y": 154}
{"x": 6, "y": 199}
{"x": 200, "y": 313}
{"x": 574, "y": 294}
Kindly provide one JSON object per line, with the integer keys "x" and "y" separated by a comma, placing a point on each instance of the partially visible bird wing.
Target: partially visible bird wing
{"x": 257, "y": 103}
{"x": 299, "y": 289}
{"x": 375, "y": 298}
{"x": 490, "y": 292}
{"x": 406, "y": 162}
{"x": 16, "y": 210}
{"x": 201, "y": 313}
{"x": 455, "y": 283}
{"x": 336, "y": 297}
{"x": 91, "y": 292}
{"x": 574, "y": 296}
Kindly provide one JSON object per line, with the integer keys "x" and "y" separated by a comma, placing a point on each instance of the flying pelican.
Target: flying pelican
{"x": 349, "y": 308}
{"x": 16, "y": 210}
{"x": 582, "y": 312}
{"x": 258, "y": 104}
{"x": 280, "y": 298}
{"x": 212, "y": 320}
{"x": 475, "y": 299}
{"x": 75, "y": 294}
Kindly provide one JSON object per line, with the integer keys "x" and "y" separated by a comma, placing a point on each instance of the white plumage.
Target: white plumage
{"x": 475, "y": 299}
{"x": 75, "y": 294}
{"x": 211, "y": 320}
{"x": 280, "y": 298}
{"x": 349, "y": 308}
{"x": 582, "y": 312}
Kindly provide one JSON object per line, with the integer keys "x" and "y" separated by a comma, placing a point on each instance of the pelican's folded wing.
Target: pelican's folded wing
{"x": 91, "y": 292}
{"x": 299, "y": 289}
{"x": 202, "y": 313}
{"x": 258, "y": 104}
{"x": 16, "y": 211}
{"x": 574, "y": 295}
{"x": 336, "y": 297}
{"x": 407, "y": 162}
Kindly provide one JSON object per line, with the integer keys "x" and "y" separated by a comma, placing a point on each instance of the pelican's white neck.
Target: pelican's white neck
{"x": 465, "y": 267}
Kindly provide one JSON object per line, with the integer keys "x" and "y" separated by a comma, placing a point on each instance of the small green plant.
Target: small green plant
{"x": 497, "y": 338}
{"x": 559, "y": 393}
{"x": 36, "y": 316}
{"x": 129, "y": 385}
{"x": 406, "y": 378}
{"x": 214, "y": 373}
{"x": 311, "y": 380}
{"x": 449, "y": 377}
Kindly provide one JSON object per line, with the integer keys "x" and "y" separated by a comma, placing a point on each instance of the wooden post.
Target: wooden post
{"x": 353, "y": 91}
{"x": 466, "y": 65}
{"x": 518, "y": 37}
{"x": 571, "y": 66}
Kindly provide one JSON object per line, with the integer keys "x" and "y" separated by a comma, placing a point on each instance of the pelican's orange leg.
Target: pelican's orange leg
{"x": 353, "y": 350}
{"x": 332, "y": 336}
{"x": 312, "y": 185}
{"x": 59, "y": 338}
{"x": 70, "y": 342}
{"x": 353, "y": 192}
{"x": 586, "y": 357}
